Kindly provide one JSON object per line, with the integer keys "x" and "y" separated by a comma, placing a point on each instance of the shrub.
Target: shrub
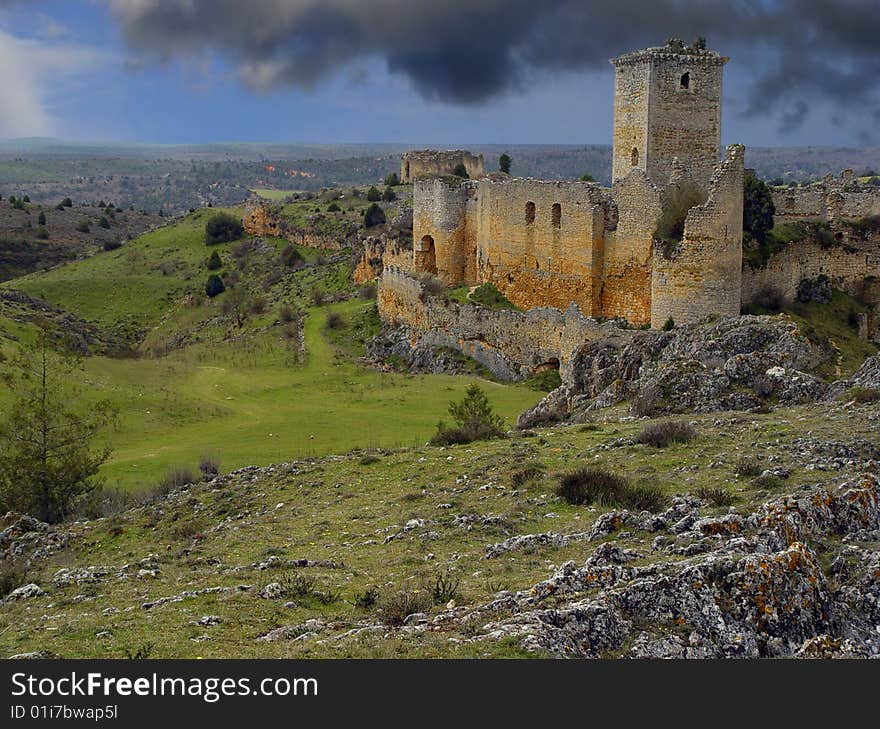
{"x": 334, "y": 321}
{"x": 103, "y": 222}
{"x": 258, "y": 305}
{"x": 83, "y": 226}
{"x": 679, "y": 201}
{"x": 367, "y": 599}
{"x": 715, "y": 496}
{"x": 816, "y": 289}
{"x": 474, "y": 417}
{"x": 748, "y": 468}
{"x": 209, "y": 467}
{"x": 488, "y": 295}
{"x": 13, "y": 573}
{"x": 397, "y": 606}
{"x": 214, "y": 286}
{"x": 42, "y": 233}
{"x": 662, "y": 435}
{"x": 768, "y": 482}
{"x": 215, "y": 263}
{"x": 291, "y": 257}
{"x": 222, "y": 228}
{"x": 388, "y": 195}
{"x": 504, "y": 163}
{"x": 587, "y": 177}
{"x": 67, "y": 203}
{"x": 445, "y": 588}
{"x": 373, "y": 194}
{"x": 529, "y": 472}
{"x": 546, "y": 380}
{"x": 296, "y": 585}
{"x": 669, "y": 324}
{"x": 285, "y": 314}
{"x": 863, "y": 395}
{"x": 112, "y": 245}
{"x": 369, "y": 460}
{"x": 374, "y": 215}
{"x": 758, "y": 208}
{"x": 334, "y": 207}
{"x": 769, "y": 298}
{"x": 177, "y": 478}
{"x": 431, "y": 285}
{"x": 318, "y": 297}
{"x": 392, "y": 180}
{"x": 41, "y": 218}
{"x": 595, "y": 485}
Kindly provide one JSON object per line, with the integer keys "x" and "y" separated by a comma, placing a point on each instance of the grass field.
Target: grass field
{"x": 277, "y": 195}
{"x": 241, "y": 395}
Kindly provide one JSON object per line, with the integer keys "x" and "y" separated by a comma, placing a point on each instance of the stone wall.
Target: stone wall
{"x": 703, "y": 275}
{"x": 379, "y": 252}
{"x": 511, "y": 344}
{"x": 852, "y": 266}
{"x": 262, "y": 218}
{"x": 419, "y": 163}
{"x": 835, "y": 198}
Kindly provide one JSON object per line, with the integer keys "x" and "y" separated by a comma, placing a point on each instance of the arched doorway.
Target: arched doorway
{"x": 426, "y": 255}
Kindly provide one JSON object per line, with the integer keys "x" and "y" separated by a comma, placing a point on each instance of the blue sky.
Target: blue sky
{"x": 70, "y": 72}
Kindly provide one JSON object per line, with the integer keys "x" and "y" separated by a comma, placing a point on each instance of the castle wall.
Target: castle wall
{"x": 511, "y": 344}
{"x": 540, "y": 243}
{"x": 626, "y": 284}
{"x": 379, "y": 252}
{"x": 423, "y": 162}
{"x": 847, "y": 266}
{"x": 703, "y": 275}
{"x": 840, "y": 198}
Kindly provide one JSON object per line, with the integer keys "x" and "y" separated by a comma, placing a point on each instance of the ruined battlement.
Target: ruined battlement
{"x": 834, "y": 198}
{"x": 423, "y": 162}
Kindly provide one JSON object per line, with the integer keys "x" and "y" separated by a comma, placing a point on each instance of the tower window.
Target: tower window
{"x": 530, "y": 212}
{"x": 685, "y": 80}
{"x": 635, "y": 157}
{"x": 556, "y": 215}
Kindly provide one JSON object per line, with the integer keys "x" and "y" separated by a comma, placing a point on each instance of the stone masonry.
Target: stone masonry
{"x": 433, "y": 162}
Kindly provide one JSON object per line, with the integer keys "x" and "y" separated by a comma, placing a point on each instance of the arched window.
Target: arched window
{"x": 686, "y": 80}
{"x": 635, "y": 157}
{"x": 556, "y": 215}
{"x": 530, "y": 212}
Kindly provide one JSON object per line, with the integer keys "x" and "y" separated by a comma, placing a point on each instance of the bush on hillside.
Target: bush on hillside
{"x": 374, "y": 215}
{"x": 595, "y": 485}
{"x": 291, "y": 257}
{"x": 474, "y": 420}
{"x": 214, "y": 286}
{"x": 83, "y": 226}
{"x": 679, "y": 200}
{"x": 373, "y": 194}
{"x": 388, "y": 195}
{"x": 215, "y": 263}
{"x": 662, "y": 435}
{"x": 758, "y": 209}
{"x": 222, "y": 228}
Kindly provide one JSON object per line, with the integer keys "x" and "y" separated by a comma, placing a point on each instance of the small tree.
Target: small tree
{"x": 67, "y": 203}
{"x": 214, "y": 286}
{"x": 103, "y": 222}
{"x": 587, "y": 177}
{"x": 238, "y": 305}
{"x": 392, "y": 180}
{"x": 460, "y": 171}
{"x": 504, "y": 163}
{"x": 389, "y": 195}
{"x": 291, "y": 257}
{"x": 758, "y": 208}
{"x": 46, "y": 455}
{"x": 678, "y": 202}
{"x": 41, "y": 218}
{"x": 222, "y": 228}
{"x": 373, "y": 194}
{"x": 215, "y": 263}
{"x": 374, "y": 215}
{"x": 83, "y": 226}
{"x": 474, "y": 419}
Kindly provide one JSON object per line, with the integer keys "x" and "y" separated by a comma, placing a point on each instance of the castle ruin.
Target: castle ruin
{"x": 551, "y": 243}
{"x": 432, "y": 162}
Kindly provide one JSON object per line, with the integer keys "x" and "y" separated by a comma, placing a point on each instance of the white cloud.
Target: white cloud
{"x": 33, "y": 72}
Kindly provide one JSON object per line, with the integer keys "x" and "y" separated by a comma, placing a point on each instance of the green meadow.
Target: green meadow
{"x": 244, "y": 396}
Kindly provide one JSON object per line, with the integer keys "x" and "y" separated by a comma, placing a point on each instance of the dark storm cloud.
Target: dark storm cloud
{"x": 467, "y": 51}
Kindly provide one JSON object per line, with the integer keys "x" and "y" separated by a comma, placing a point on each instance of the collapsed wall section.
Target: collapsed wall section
{"x": 702, "y": 275}
{"x": 511, "y": 344}
{"x": 422, "y": 162}
{"x": 834, "y": 198}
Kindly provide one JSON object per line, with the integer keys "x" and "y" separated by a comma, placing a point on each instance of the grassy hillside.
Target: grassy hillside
{"x": 199, "y": 384}
{"x": 386, "y": 522}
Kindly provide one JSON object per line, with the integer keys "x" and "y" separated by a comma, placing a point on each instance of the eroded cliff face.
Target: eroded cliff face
{"x": 262, "y": 219}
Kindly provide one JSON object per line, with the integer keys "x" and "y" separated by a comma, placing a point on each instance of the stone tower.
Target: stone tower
{"x": 667, "y": 104}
